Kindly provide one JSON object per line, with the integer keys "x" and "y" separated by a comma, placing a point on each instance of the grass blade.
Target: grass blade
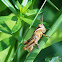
{"x": 52, "y": 4}
{"x": 24, "y": 2}
{"x": 27, "y": 6}
{"x": 9, "y": 5}
{"x": 8, "y": 57}
{"x": 15, "y": 4}
{"x": 19, "y": 49}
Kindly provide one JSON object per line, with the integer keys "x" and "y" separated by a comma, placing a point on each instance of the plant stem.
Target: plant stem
{"x": 37, "y": 14}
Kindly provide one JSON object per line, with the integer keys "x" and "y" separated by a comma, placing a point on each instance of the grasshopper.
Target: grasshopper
{"x": 39, "y": 31}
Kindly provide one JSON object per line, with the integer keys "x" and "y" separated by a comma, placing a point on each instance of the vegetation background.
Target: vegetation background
{"x": 18, "y": 20}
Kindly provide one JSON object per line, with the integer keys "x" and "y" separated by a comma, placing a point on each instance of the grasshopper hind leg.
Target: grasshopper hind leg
{"x": 26, "y": 42}
{"x": 28, "y": 45}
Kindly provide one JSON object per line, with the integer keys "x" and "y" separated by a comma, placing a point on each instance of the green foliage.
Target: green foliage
{"x": 9, "y": 5}
{"x": 54, "y": 59}
{"x": 6, "y": 42}
{"x": 19, "y": 26}
{"x": 27, "y": 6}
{"x": 6, "y": 18}
{"x": 25, "y": 19}
{"x": 1, "y": 6}
{"x": 31, "y": 12}
{"x": 52, "y": 4}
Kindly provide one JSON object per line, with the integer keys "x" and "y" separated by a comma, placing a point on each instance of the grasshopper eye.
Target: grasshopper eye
{"x": 38, "y": 27}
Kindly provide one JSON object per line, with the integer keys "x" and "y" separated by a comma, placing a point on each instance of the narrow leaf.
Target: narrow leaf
{"x": 27, "y": 6}
{"x": 17, "y": 5}
{"x": 24, "y": 2}
{"x": 19, "y": 49}
{"x": 1, "y": 6}
{"x": 52, "y": 4}
{"x": 9, "y": 5}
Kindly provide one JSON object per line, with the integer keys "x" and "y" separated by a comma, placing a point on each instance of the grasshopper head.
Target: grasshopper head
{"x": 42, "y": 26}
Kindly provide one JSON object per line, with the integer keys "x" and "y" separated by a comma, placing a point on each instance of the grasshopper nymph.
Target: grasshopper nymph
{"x": 39, "y": 31}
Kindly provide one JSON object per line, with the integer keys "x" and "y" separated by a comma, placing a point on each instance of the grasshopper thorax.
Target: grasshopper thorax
{"x": 42, "y": 27}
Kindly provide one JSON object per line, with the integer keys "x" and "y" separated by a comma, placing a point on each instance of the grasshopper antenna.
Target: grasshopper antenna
{"x": 42, "y": 19}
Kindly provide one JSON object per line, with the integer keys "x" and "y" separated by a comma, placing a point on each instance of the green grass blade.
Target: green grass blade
{"x": 18, "y": 52}
{"x": 24, "y": 2}
{"x": 52, "y": 4}
{"x": 15, "y": 4}
{"x": 15, "y": 53}
{"x": 18, "y": 4}
{"x": 9, "y": 5}
{"x": 2, "y": 6}
{"x": 31, "y": 56}
{"x": 27, "y": 6}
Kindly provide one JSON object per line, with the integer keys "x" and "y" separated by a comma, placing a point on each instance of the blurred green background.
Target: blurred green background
{"x": 15, "y": 20}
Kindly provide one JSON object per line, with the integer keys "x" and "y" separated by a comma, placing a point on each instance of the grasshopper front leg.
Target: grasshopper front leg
{"x": 46, "y": 35}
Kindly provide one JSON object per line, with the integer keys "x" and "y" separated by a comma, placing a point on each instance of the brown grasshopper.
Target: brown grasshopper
{"x": 39, "y": 31}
